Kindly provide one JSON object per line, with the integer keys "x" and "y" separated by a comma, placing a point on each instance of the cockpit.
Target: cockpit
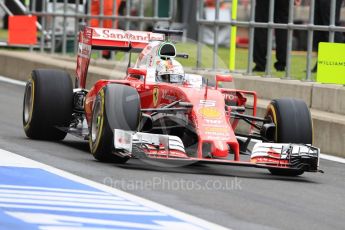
{"x": 169, "y": 71}
{"x": 170, "y": 78}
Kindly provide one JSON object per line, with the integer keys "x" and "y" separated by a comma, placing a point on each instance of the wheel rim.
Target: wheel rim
{"x": 28, "y": 102}
{"x": 96, "y": 121}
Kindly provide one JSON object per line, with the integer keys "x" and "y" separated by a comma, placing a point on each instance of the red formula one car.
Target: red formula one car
{"x": 160, "y": 113}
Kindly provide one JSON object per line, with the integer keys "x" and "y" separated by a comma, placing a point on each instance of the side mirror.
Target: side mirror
{"x": 135, "y": 71}
{"x": 182, "y": 55}
{"x": 223, "y": 78}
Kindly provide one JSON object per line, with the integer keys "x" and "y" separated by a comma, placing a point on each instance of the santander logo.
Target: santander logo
{"x": 120, "y": 35}
{"x": 95, "y": 34}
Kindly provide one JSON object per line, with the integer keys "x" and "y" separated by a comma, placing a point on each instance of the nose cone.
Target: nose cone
{"x": 213, "y": 125}
{"x": 221, "y": 149}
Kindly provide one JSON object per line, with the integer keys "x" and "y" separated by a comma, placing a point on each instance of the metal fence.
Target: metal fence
{"x": 270, "y": 25}
{"x": 51, "y": 37}
{"x": 51, "y": 11}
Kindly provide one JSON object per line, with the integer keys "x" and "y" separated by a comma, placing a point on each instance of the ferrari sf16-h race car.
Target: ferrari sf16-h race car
{"x": 160, "y": 113}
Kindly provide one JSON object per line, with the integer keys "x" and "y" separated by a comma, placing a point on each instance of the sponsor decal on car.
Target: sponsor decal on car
{"x": 213, "y": 122}
{"x": 208, "y": 103}
{"x": 84, "y": 50}
{"x": 216, "y": 129}
{"x": 120, "y": 35}
{"x": 96, "y": 34}
{"x": 217, "y": 134}
{"x": 168, "y": 95}
{"x": 210, "y": 112}
{"x": 155, "y": 95}
{"x": 219, "y": 138}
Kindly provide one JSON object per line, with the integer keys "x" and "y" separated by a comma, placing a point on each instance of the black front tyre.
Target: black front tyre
{"x": 293, "y": 125}
{"x": 48, "y": 103}
{"x": 116, "y": 107}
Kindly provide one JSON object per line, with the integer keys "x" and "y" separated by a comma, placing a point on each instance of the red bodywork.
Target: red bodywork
{"x": 205, "y": 110}
{"x": 210, "y": 114}
{"x": 212, "y": 123}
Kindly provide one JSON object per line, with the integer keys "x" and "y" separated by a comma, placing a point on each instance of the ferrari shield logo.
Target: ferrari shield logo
{"x": 155, "y": 96}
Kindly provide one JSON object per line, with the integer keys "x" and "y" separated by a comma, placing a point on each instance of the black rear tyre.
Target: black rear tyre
{"x": 116, "y": 107}
{"x": 48, "y": 103}
{"x": 293, "y": 125}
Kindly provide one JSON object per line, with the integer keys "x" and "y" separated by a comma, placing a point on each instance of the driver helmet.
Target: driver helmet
{"x": 170, "y": 71}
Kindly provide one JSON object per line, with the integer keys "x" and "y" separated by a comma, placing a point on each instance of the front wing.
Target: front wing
{"x": 163, "y": 148}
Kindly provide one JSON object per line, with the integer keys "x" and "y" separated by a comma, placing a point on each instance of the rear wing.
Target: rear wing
{"x": 108, "y": 39}
{"x": 115, "y": 39}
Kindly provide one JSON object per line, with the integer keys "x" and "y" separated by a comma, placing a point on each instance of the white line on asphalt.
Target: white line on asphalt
{"x": 73, "y": 204}
{"x": 12, "y": 157}
{"x": 11, "y": 81}
{"x": 82, "y": 210}
{"x": 332, "y": 158}
{"x": 108, "y": 197}
{"x": 322, "y": 156}
{"x": 71, "y": 199}
{"x": 20, "y": 188}
{"x": 75, "y": 222}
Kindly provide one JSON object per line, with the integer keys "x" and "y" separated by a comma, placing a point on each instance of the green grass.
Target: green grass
{"x": 298, "y": 61}
{"x": 3, "y": 35}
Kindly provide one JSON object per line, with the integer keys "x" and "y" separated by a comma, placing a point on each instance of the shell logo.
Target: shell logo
{"x": 210, "y": 112}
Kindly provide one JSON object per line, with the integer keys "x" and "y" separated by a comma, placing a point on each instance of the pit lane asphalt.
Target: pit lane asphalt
{"x": 242, "y": 198}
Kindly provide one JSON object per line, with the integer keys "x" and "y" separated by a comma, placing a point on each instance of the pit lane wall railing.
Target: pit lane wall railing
{"x": 60, "y": 20}
{"x": 251, "y": 24}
